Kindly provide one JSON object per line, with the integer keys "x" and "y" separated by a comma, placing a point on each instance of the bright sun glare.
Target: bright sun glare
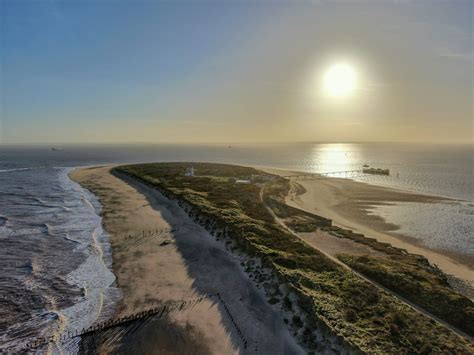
{"x": 339, "y": 80}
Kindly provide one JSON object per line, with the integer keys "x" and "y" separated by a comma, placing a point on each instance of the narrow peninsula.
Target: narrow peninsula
{"x": 225, "y": 235}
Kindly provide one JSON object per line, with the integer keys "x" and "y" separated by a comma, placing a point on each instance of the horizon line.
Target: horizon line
{"x": 58, "y": 144}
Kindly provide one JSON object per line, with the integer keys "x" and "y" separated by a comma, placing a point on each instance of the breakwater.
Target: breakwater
{"x": 155, "y": 312}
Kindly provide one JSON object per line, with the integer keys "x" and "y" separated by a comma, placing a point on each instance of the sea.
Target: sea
{"x": 56, "y": 259}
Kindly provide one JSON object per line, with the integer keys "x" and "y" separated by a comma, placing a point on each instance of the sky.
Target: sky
{"x": 116, "y": 71}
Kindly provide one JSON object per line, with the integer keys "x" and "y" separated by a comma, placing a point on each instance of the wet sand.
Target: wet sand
{"x": 160, "y": 255}
{"x": 347, "y": 203}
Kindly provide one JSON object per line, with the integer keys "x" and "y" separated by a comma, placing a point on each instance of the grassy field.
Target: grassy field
{"x": 366, "y": 317}
{"x": 419, "y": 285}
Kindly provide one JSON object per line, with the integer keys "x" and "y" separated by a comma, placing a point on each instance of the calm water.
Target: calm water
{"x": 54, "y": 253}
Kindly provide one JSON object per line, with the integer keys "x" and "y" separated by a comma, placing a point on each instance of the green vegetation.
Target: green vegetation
{"x": 419, "y": 285}
{"x": 363, "y": 315}
{"x": 412, "y": 277}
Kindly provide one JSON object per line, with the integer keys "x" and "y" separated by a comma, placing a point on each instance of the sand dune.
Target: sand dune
{"x": 159, "y": 254}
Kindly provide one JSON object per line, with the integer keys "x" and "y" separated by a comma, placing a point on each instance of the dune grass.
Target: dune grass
{"x": 367, "y": 318}
{"x": 419, "y": 285}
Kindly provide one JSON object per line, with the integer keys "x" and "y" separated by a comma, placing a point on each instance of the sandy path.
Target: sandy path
{"x": 345, "y": 202}
{"x": 159, "y": 254}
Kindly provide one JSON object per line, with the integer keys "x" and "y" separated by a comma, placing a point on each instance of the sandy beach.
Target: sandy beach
{"x": 347, "y": 203}
{"x": 160, "y": 255}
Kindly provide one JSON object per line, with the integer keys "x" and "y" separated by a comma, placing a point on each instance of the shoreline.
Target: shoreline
{"x": 130, "y": 259}
{"x": 98, "y": 263}
{"x": 160, "y": 255}
{"x": 349, "y": 203}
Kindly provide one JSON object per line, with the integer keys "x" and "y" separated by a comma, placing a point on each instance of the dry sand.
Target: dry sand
{"x": 346, "y": 203}
{"x": 159, "y": 254}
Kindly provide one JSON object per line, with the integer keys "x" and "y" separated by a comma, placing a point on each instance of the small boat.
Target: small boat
{"x": 56, "y": 148}
{"x": 365, "y": 166}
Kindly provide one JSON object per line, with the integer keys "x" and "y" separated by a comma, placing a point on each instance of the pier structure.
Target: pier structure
{"x": 343, "y": 173}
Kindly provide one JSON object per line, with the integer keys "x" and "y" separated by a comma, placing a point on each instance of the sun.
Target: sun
{"x": 339, "y": 80}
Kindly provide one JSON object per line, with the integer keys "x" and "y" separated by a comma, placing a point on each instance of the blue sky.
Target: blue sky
{"x": 215, "y": 71}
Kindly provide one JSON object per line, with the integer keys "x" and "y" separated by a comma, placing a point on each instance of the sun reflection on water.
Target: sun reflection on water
{"x": 335, "y": 157}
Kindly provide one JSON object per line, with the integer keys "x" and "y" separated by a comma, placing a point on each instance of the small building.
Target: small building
{"x": 241, "y": 181}
{"x": 189, "y": 171}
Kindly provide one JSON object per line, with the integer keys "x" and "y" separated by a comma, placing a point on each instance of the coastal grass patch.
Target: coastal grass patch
{"x": 363, "y": 315}
{"x": 423, "y": 287}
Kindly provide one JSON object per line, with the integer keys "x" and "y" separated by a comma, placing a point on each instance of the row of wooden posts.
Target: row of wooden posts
{"x": 155, "y": 312}
{"x": 241, "y": 336}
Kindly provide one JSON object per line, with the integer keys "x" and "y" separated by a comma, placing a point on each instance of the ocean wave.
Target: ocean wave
{"x": 67, "y": 237}
{"x": 11, "y": 170}
{"x": 52, "y": 224}
{"x": 45, "y": 229}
